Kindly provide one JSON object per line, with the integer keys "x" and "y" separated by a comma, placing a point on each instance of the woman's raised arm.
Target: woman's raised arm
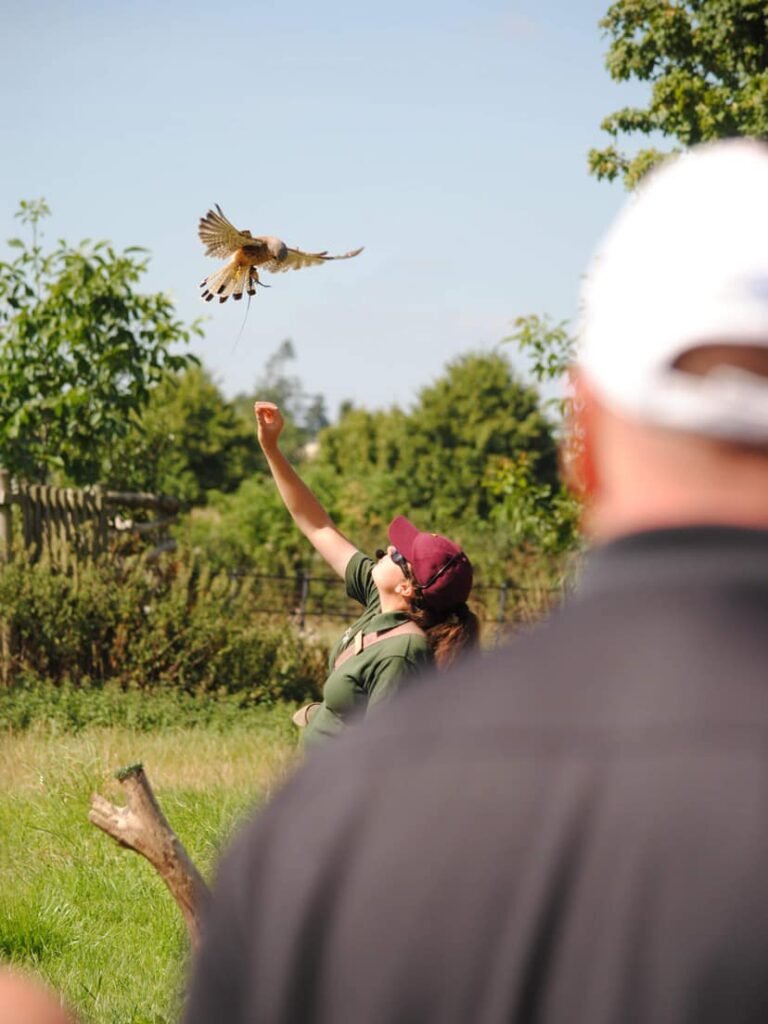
{"x": 306, "y": 511}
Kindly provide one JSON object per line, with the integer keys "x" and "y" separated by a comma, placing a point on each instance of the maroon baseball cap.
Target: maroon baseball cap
{"x": 440, "y": 568}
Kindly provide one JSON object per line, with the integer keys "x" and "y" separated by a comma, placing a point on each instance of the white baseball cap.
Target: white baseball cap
{"x": 685, "y": 264}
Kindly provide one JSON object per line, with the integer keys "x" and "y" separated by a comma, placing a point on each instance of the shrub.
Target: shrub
{"x": 172, "y": 623}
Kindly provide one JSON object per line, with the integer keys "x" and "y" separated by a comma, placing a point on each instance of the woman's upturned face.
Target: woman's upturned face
{"x": 390, "y": 571}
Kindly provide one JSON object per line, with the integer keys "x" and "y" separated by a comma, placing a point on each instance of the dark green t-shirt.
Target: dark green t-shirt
{"x": 374, "y": 675}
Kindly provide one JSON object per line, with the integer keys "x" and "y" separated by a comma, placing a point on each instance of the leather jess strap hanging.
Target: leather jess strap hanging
{"x": 362, "y": 643}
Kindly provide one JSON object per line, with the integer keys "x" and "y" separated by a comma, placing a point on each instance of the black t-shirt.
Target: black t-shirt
{"x": 573, "y": 829}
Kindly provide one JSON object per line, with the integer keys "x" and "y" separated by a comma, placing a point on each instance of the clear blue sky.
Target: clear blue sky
{"x": 449, "y": 138}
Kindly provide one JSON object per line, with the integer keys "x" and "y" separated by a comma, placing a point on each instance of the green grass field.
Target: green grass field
{"x": 95, "y": 920}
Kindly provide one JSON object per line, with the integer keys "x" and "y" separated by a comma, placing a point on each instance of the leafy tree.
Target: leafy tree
{"x": 474, "y": 458}
{"x": 364, "y": 453}
{"x": 476, "y": 414}
{"x": 707, "y": 62}
{"x": 550, "y": 349}
{"x": 188, "y": 442}
{"x": 251, "y": 529}
{"x": 80, "y": 349}
{"x": 540, "y": 515}
{"x": 304, "y": 412}
{"x": 435, "y": 457}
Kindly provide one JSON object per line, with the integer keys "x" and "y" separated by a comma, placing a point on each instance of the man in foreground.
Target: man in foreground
{"x": 574, "y": 828}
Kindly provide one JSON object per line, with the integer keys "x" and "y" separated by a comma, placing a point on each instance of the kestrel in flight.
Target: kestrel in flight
{"x": 247, "y": 252}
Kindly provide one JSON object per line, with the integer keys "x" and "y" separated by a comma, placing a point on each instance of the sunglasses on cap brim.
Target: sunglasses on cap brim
{"x": 453, "y": 560}
{"x": 401, "y": 561}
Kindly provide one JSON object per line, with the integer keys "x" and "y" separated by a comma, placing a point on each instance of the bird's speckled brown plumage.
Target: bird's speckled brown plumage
{"x": 246, "y": 253}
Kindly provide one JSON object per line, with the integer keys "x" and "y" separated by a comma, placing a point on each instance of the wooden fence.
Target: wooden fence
{"x": 68, "y": 523}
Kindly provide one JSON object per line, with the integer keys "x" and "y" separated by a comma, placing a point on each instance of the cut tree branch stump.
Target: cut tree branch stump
{"x": 142, "y": 826}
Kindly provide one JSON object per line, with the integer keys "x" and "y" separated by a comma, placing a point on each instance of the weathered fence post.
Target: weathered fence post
{"x": 303, "y": 594}
{"x": 6, "y": 524}
{"x": 142, "y": 826}
{"x": 501, "y": 613}
{"x": 6, "y": 549}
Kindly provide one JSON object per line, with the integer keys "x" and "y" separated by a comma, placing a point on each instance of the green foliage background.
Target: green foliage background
{"x": 474, "y": 458}
{"x": 80, "y": 351}
{"x": 707, "y": 64}
{"x": 169, "y": 657}
{"x": 187, "y": 442}
{"x": 172, "y": 623}
{"x": 97, "y": 392}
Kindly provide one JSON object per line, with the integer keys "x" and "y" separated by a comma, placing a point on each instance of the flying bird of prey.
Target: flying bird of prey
{"x": 247, "y": 253}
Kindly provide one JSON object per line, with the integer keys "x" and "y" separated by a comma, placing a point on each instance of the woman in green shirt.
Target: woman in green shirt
{"x": 414, "y": 597}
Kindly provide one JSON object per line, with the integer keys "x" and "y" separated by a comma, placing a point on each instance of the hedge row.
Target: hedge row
{"x": 151, "y": 625}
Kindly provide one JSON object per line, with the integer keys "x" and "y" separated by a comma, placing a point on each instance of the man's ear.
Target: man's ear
{"x": 577, "y": 452}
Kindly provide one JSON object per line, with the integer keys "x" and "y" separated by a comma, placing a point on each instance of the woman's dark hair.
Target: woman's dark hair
{"x": 450, "y": 633}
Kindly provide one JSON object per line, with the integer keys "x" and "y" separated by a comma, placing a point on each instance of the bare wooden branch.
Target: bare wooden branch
{"x": 142, "y": 529}
{"x": 142, "y": 826}
{"x": 160, "y": 502}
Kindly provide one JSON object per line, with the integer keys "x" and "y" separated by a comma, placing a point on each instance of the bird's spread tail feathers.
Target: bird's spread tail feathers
{"x": 232, "y": 280}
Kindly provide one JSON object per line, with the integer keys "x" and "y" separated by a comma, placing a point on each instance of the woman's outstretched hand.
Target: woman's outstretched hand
{"x": 270, "y": 423}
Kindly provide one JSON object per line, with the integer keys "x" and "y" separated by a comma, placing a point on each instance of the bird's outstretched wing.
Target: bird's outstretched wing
{"x": 219, "y": 237}
{"x": 295, "y": 259}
